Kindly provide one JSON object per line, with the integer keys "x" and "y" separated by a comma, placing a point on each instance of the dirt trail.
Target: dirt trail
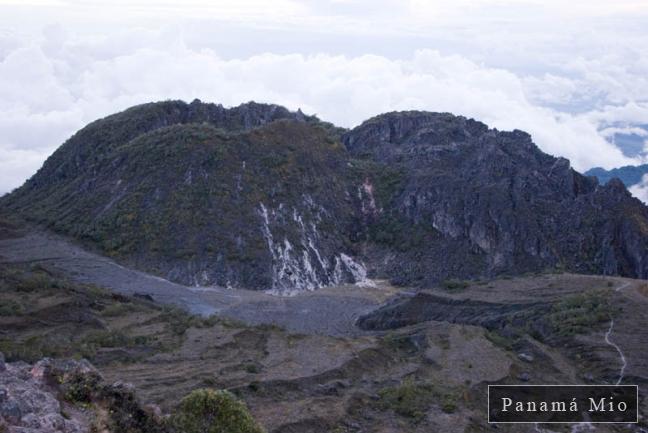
{"x": 627, "y": 333}
{"x": 624, "y": 362}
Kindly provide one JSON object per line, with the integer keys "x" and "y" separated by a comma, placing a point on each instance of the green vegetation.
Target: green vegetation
{"x": 409, "y": 399}
{"x": 11, "y": 308}
{"x": 179, "y": 320}
{"x": 80, "y": 387}
{"x": 454, "y": 285}
{"x": 76, "y": 320}
{"x": 69, "y": 320}
{"x": 187, "y": 191}
{"x": 399, "y": 233}
{"x": 24, "y": 280}
{"x": 121, "y": 309}
{"x": 211, "y": 411}
{"x": 252, "y": 368}
{"x": 29, "y": 349}
{"x": 449, "y": 403}
{"x": 397, "y": 342}
{"x": 386, "y": 180}
{"x": 412, "y": 400}
{"x": 578, "y": 314}
{"x": 112, "y": 338}
{"x": 500, "y": 340}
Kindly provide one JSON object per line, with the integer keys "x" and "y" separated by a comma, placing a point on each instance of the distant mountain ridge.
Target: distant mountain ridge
{"x": 260, "y": 197}
{"x": 630, "y": 174}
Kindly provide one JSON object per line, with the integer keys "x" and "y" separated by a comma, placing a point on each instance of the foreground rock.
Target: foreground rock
{"x": 67, "y": 396}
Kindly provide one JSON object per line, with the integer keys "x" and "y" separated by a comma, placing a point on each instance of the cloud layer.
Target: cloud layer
{"x": 56, "y": 80}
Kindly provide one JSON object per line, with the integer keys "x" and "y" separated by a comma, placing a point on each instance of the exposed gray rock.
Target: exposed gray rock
{"x": 29, "y": 403}
{"x": 45, "y": 398}
{"x": 524, "y": 377}
{"x": 473, "y": 201}
{"x": 526, "y": 357}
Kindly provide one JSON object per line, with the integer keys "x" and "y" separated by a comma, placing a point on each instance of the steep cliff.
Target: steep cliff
{"x": 473, "y": 201}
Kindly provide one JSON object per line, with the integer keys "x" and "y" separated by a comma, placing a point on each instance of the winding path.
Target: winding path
{"x": 624, "y": 362}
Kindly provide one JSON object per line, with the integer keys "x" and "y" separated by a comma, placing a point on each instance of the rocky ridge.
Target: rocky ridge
{"x": 630, "y": 175}
{"x": 258, "y": 197}
{"x": 475, "y": 201}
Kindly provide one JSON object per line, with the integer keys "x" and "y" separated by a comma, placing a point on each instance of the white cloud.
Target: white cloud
{"x": 45, "y": 96}
{"x": 545, "y": 67}
{"x": 640, "y": 190}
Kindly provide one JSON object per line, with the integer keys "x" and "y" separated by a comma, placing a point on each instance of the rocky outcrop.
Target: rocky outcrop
{"x": 259, "y": 197}
{"x": 67, "y": 396}
{"x": 29, "y": 403}
{"x": 473, "y": 201}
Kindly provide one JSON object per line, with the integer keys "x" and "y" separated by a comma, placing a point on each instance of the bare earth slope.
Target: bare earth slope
{"x": 331, "y": 311}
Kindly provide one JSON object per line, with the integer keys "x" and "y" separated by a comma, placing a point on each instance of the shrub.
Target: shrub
{"x": 503, "y": 341}
{"x": 253, "y": 368}
{"x": 449, "y": 403}
{"x": 119, "y": 309}
{"x": 179, "y": 320}
{"x": 80, "y": 387}
{"x": 212, "y": 411}
{"x": 409, "y": 399}
{"x": 11, "y": 308}
{"x": 35, "y": 281}
{"x": 453, "y": 285}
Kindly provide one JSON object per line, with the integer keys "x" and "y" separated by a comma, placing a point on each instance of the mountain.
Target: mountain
{"x": 483, "y": 202}
{"x": 630, "y": 138}
{"x": 630, "y": 175}
{"x": 259, "y": 197}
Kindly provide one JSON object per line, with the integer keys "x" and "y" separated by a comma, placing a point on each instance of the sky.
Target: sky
{"x": 571, "y": 73}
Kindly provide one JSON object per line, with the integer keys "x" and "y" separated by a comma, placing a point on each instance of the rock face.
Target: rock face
{"x": 67, "y": 396}
{"x": 259, "y": 197}
{"x": 28, "y": 397}
{"x": 474, "y": 201}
